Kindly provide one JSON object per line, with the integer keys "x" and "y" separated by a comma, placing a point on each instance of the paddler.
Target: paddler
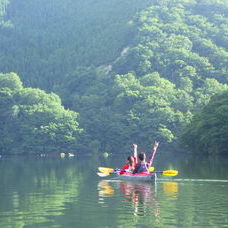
{"x": 132, "y": 161}
{"x": 143, "y": 166}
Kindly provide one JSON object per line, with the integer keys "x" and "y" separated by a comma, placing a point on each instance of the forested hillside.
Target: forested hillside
{"x": 34, "y": 121}
{"x": 51, "y": 38}
{"x": 134, "y": 70}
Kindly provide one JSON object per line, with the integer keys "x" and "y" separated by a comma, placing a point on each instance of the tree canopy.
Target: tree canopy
{"x": 208, "y": 131}
{"x": 33, "y": 121}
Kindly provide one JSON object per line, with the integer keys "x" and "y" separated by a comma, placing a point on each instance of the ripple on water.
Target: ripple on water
{"x": 198, "y": 204}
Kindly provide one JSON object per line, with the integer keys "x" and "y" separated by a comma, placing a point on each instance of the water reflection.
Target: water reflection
{"x": 105, "y": 189}
{"x": 171, "y": 189}
{"x": 34, "y": 191}
{"x": 140, "y": 196}
{"x": 54, "y": 192}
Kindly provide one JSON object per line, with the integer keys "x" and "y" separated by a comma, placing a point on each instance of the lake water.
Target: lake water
{"x": 66, "y": 192}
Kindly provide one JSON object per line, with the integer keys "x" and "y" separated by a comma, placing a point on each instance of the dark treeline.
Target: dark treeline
{"x": 135, "y": 71}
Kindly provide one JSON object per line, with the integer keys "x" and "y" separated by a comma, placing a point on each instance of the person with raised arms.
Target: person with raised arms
{"x": 143, "y": 166}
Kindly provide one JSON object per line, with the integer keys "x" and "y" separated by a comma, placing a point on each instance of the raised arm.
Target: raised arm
{"x": 153, "y": 152}
{"x": 135, "y": 152}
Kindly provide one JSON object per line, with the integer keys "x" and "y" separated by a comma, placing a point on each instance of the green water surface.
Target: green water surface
{"x": 66, "y": 192}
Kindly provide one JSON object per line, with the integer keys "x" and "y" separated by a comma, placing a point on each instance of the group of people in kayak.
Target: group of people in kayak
{"x": 138, "y": 164}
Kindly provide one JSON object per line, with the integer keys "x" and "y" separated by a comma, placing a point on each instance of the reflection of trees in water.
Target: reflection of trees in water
{"x": 36, "y": 189}
{"x": 202, "y": 166}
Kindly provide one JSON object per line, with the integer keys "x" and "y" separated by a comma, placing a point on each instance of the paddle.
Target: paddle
{"x": 103, "y": 174}
{"x": 106, "y": 170}
{"x": 110, "y": 170}
{"x": 170, "y": 173}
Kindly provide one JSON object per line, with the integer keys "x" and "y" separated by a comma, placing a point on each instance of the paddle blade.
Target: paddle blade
{"x": 170, "y": 173}
{"x": 105, "y": 170}
{"x": 110, "y": 170}
{"x": 103, "y": 174}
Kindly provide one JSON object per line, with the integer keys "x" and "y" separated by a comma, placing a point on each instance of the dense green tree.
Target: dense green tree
{"x": 208, "y": 89}
{"x": 139, "y": 111}
{"x": 33, "y": 121}
{"x": 208, "y": 131}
